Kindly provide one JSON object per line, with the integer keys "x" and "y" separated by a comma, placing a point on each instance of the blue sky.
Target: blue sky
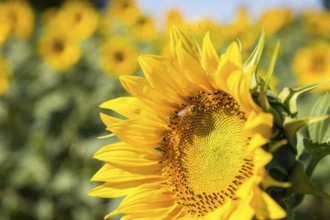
{"x": 221, "y": 10}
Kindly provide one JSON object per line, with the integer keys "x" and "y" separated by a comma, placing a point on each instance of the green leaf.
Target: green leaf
{"x": 253, "y": 60}
{"x": 292, "y": 125}
{"x": 289, "y": 96}
{"x": 301, "y": 184}
{"x": 316, "y": 149}
{"x": 262, "y": 98}
{"x": 320, "y": 132}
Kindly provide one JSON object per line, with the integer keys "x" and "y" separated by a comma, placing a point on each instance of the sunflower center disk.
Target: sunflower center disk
{"x": 204, "y": 152}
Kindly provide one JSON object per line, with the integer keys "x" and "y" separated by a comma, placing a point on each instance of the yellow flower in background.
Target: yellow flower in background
{"x": 4, "y": 32}
{"x": 105, "y": 25}
{"x": 19, "y": 16}
{"x": 5, "y": 76}
{"x": 59, "y": 49}
{"x": 144, "y": 29}
{"x": 125, "y": 11}
{"x": 311, "y": 64}
{"x": 200, "y": 27}
{"x": 243, "y": 29}
{"x": 174, "y": 17}
{"x": 317, "y": 23}
{"x": 274, "y": 20}
{"x": 119, "y": 56}
{"x": 191, "y": 143}
{"x": 78, "y": 18}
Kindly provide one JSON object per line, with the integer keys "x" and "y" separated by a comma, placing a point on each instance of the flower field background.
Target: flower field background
{"x": 59, "y": 63}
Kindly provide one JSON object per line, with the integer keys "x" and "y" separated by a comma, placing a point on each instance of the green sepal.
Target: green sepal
{"x": 253, "y": 60}
{"x": 292, "y": 125}
{"x": 265, "y": 94}
{"x": 316, "y": 149}
{"x": 301, "y": 183}
{"x": 320, "y": 132}
{"x": 289, "y": 96}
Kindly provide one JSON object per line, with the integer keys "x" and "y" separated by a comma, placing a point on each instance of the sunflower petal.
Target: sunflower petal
{"x": 131, "y": 107}
{"x": 137, "y": 132}
{"x": 266, "y": 207}
{"x": 210, "y": 58}
{"x": 149, "y": 198}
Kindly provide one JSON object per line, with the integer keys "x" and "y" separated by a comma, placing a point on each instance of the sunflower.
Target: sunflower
{"x": 59, "y": 49}
{"x": 5, "y": 75}
{"x": 4, "y": 32}
{"x": 119, "y": 56}
{"x": 274, "y": 20}
{"x": 19, "y": 16}
{"x": 243, "y": 28}
{"x": 125, "y": 11}
{"x": 144, "y": 29}
{"x": 76, "y": 17}
{"x": 191, "y": 141}
{"x": 317, "y": 23}
{"x": 311, "y": 64}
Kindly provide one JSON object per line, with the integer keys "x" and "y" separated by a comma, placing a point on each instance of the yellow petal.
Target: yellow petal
{"x": 256, "y": 142}
{"x": 156, "y": 71}
{"x": 259, "y": 123}
{"x": 149, "y": 199}
{"x": 261, "y": 159}
{"x": 131, "y": 107}
{"x": 108, "y": 120}
{"x": 229, "y": 62}
{"x": 220, "y": 213}
{"x": 140, "y": 88}
{"x": 130, "y": 159}
{"x": 138, "y": 132}
{"x": 243, "y": 210}
{"x": 210, "y": 58}
{"x": 107, "y": 191}
{"x": 266, "y": 207}
{"x": 113, "y": 175}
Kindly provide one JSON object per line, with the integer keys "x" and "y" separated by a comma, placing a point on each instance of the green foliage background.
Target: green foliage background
{"x": 49, "y": 124}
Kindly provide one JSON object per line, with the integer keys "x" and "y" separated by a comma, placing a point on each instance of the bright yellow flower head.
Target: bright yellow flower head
{"x": 317, "y": 23}
{"x": 125, "y": 11}
{"x": 5, "y": 76}
{"x": 174, "y": 17}
{"x": 59, "y": 49}
{"x": 78, "y": 18}
{"x": 119, "y": 56}
{"x": 200, "y": 27}
{"x": 4, "y": 32}
{"x": 144, "y": 29}
{"x": 18, "y": 15}
{"x": 243, "y": 29}
{"x": 274, "y": 20}
{"x": 191, "y": 143}
{"x": 311, "y": 64}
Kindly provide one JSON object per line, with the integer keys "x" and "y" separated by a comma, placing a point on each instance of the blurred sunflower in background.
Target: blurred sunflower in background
{"x": 242, "y": 28}
{"x": 144, "y": 29}
{"x": 5, "y": 75}
{"x": 125, "y": 11}
{"x": 187, "y": 112}
{"x": 118, "y": 56}
{"x": 273, "y": 20}
{"x": 173, "y": 159}
{"x": 317, "y": 23}
{"x": 311, "y": 64}
{"x": 18, "y": 16}
{"x": 59, "y": 49}
{"x": 78, "y": 18}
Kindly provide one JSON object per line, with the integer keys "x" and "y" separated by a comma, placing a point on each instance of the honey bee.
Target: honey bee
{"x": 188, "y": 110}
